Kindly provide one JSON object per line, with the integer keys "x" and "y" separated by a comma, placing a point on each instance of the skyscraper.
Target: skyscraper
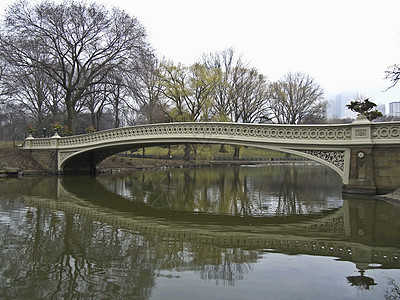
{"x": 394, "y": 109}
{"x": 337, "y": 105}
{"x": 382, "y": 108}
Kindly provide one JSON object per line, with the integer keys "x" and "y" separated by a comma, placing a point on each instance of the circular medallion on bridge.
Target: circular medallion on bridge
{"x": 289, "y": 134}
{"x": 361, "y": 154}
{"x": 340, "y": 134}
{"x": 331, "y": 134}
{"x": 384, "y": 132}
{"x": 259, "y": 132}
{"x": 296, "y": 134}
{"x": 281, "y": 133}
{"x": 321, "y": 134}
{"x": 395, "y": 132}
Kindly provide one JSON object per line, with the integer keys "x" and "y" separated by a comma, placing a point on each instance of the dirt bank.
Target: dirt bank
{"x": 14, "y": 160}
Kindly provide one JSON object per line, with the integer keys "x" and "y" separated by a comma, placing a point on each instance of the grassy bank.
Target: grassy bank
{"x": 206, "y": 152}
{"x": 205, "y": 156}
{"x": 5, "y": 144}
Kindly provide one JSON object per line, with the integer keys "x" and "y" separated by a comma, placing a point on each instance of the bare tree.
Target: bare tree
{"x": 12, "y": 122}
{"x": 393, "y": 74}
{"x": 5, "y": 90}
{"x": 241, "y": 92}
{"x": 96, "y": 103}
{"x": 145, "y": 87}
{"x": 31, "y": 90}
{"x": 295, "y": 99}
{"x": 202, "y": 84}
{"x": 83, "y": 44}
{"x": 248, "y": 95}
{"x": 228, "y": 62}
{"x": 175, "y": 90}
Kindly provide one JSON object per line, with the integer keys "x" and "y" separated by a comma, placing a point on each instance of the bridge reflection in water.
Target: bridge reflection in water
{"x": 352, "y": 232}
{"x": 360, "y": 231}
{"x": 70, "y": 213}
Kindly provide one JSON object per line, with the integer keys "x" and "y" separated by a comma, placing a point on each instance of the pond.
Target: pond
{"x": 265, "y": 232}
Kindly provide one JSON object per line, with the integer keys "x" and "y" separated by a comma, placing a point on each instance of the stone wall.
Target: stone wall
{"x": 46, "y": 158}
{"x": 361, "y": 171}
{"x": 387, "y": 168}
{"x": 374, "y": 170}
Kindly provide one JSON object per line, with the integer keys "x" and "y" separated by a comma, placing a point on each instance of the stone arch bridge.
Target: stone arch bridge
{"x": 366, "y": 155}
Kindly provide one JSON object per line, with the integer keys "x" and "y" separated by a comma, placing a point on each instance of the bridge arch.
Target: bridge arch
{"x": 87, "y": 160}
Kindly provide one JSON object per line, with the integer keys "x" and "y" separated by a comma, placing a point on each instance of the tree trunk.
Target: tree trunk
{"x": 188, "y": 149}
{"x": 222, "y": 149}
{"x": 236, "y": 153}
{"x": 70, "y": 113}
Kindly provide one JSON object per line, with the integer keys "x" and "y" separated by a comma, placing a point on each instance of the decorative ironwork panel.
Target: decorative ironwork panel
{"x": 335, "y": 157}
{"x": 64, "y": 155}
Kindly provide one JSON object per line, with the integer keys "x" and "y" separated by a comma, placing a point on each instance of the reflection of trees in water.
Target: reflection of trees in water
{"x": 295, "y": 190}
{"x": 227, "y": 266}
{"x": 68, "y": 257}
{"x": 278, "y": 190}
{"x": 288, "y": 200}
{"x": 393, "y": 291}
{"x": 48, "y": 254}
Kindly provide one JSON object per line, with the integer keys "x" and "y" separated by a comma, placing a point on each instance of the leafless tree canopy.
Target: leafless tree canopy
{"x": 393, "y": 74}
{"x": 77, "y": 46}
{"x": 295, "y": 99}
{"x": 83, "y": 65}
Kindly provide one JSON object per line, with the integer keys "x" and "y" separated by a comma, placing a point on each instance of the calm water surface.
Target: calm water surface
{"x": 271, "y": 232}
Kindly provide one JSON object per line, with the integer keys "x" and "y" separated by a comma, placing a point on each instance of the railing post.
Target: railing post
{"x": 54, "y": 152}
{"x": 361, "y": 131}
{"x": 28, "y": 142}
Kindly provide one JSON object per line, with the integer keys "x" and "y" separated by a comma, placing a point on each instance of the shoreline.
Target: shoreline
{"x": 15, "y": 163}
{"x": 194, "y": 164}
{"x": 391, "y": 197}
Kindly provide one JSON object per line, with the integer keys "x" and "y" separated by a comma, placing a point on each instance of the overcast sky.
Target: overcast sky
{"x": 346, "y": 45}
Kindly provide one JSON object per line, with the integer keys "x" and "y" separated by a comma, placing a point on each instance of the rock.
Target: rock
{"x": 391, "y": 197}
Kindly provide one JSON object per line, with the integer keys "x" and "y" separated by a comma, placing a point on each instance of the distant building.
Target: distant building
{"x": 394, "y": 109}
{"x": 337, "y": 105}
{"x": 381, "y": 108}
